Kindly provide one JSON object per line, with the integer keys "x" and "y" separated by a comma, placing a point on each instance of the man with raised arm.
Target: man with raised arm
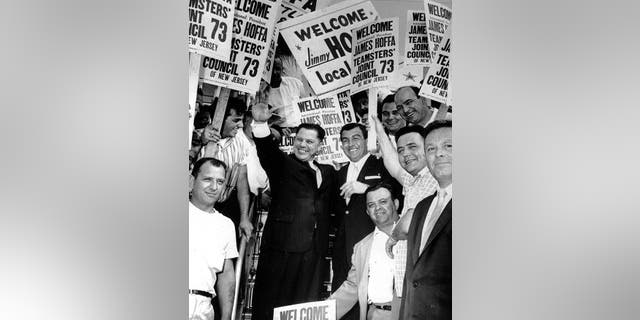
{"x": 296, "y": 233}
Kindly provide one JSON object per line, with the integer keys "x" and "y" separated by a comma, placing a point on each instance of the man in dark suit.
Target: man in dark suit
{"x": 296, "y": 233}
{"x": 362, "y": 171}
{"x": 427, "y": 282}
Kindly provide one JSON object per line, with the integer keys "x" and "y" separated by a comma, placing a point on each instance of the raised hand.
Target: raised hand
{"x": 260, "y": 112}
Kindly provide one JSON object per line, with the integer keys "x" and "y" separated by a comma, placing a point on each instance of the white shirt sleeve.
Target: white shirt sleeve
{"x": 260, "y": 130}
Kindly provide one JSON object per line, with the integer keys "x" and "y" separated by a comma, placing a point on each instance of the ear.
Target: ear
{"x": 191, "y": 182}
{"x": 396, "y": 203}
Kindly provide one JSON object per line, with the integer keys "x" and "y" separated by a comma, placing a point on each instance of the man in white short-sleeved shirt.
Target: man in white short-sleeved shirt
{"x": 212, "y": 244}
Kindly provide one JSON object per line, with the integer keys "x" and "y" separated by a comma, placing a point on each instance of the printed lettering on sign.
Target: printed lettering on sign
{"x": 209, "y": 30}
{"x": 436, "y": 84}
{"x": 321, "y": 42}
{"x": 375, "y": 54}
{"x": 438, "y": 20}
{"x": 252, "y": 25}
{"x": 325, "y": 110}
{"x": 320, "y": 310}
{"x": 416, "y": 44}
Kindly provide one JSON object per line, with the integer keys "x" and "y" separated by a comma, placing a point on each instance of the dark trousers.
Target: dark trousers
{"x": 285, "y": 278}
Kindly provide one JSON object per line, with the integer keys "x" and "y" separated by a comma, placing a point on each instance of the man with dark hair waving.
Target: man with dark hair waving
{"x": 296, "y": 233}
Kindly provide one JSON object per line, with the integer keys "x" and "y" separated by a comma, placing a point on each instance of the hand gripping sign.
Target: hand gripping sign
{"x": 321, "y": 42}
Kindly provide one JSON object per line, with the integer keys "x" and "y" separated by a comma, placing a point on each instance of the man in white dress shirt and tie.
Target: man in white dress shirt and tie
{"x": 427, "y": 286}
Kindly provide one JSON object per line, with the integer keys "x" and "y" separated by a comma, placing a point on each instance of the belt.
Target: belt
{"x": 382, "y": 307}
{"x": 201, "y": 293}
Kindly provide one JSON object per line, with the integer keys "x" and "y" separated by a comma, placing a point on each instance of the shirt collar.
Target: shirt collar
{"x": 422, "y": 172}
{"x": 193, "y": 208}
{"x": 360, "y": 162}
{"x": 448, "y": 189}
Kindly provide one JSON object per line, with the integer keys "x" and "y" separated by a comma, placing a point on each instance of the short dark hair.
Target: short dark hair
{"x": 214, "y": 162}
{"x": 408, "y": 129}
{"x": 434, "y": 104}
{"x": 202, "y": 119}
{"x": 381, "y": 185}
{"x": 390, "y": 98}
{"x": 235, "y": 104}
{"x": 437, "y": 124}
{"x": 312, "y": 126}
{"x": 351, "y": 126}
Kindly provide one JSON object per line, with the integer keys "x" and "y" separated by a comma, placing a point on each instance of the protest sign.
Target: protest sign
{"x": 438, "y": 20}
{"x": 319, "y": 310}
{"x": 416, "y": 44}
{"x": 407, "y": 75}
{"x": 194, "y": 71}
{"x": 375, "y": 54}
{"x": 344, "y": 99}
{"x": 210, "y": 23}
{"x": 252, "y": 25}
{"x": 268, "y": 65}
{"x": 325, "y": 111}
{"x": 289, "y": 9}
{"x": 321, "y": 42}
{"x": 436, "y": 83}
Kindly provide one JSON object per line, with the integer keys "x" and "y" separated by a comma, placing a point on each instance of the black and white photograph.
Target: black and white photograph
{"x": 293, "y": 160}
{"x": 321, "y": 162}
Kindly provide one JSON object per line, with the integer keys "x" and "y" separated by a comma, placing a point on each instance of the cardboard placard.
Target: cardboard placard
{"x": 416, "y": 44}
{"x": 436, "y": 84}
{"x": 375, "y": 54}
{"x": 319, "y": 310}
{"x": 325, "y": 111}
{"x": 344, "y": 99}
{"x": 253, "y": 23}
{"x": 438, "y": 20}
{"x": 321, "y": 42}
{"x": 210, "y": 24}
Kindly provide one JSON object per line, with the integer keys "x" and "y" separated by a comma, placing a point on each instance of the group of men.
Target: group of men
{"x": 391, "y": 258}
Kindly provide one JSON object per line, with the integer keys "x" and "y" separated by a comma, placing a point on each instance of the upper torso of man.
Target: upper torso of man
{"x": 211, "y": 241}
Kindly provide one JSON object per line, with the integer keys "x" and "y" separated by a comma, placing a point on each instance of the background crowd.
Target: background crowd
{"x": 373, "y": 233}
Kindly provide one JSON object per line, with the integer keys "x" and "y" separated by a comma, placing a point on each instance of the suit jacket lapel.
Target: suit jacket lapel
{"x": 364, "y": 266}
{"x": 342, "y": 174}
{"x": 365, "y": 168}
{"x": 417, "y": 232}
{"x": 444, "y": 218}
